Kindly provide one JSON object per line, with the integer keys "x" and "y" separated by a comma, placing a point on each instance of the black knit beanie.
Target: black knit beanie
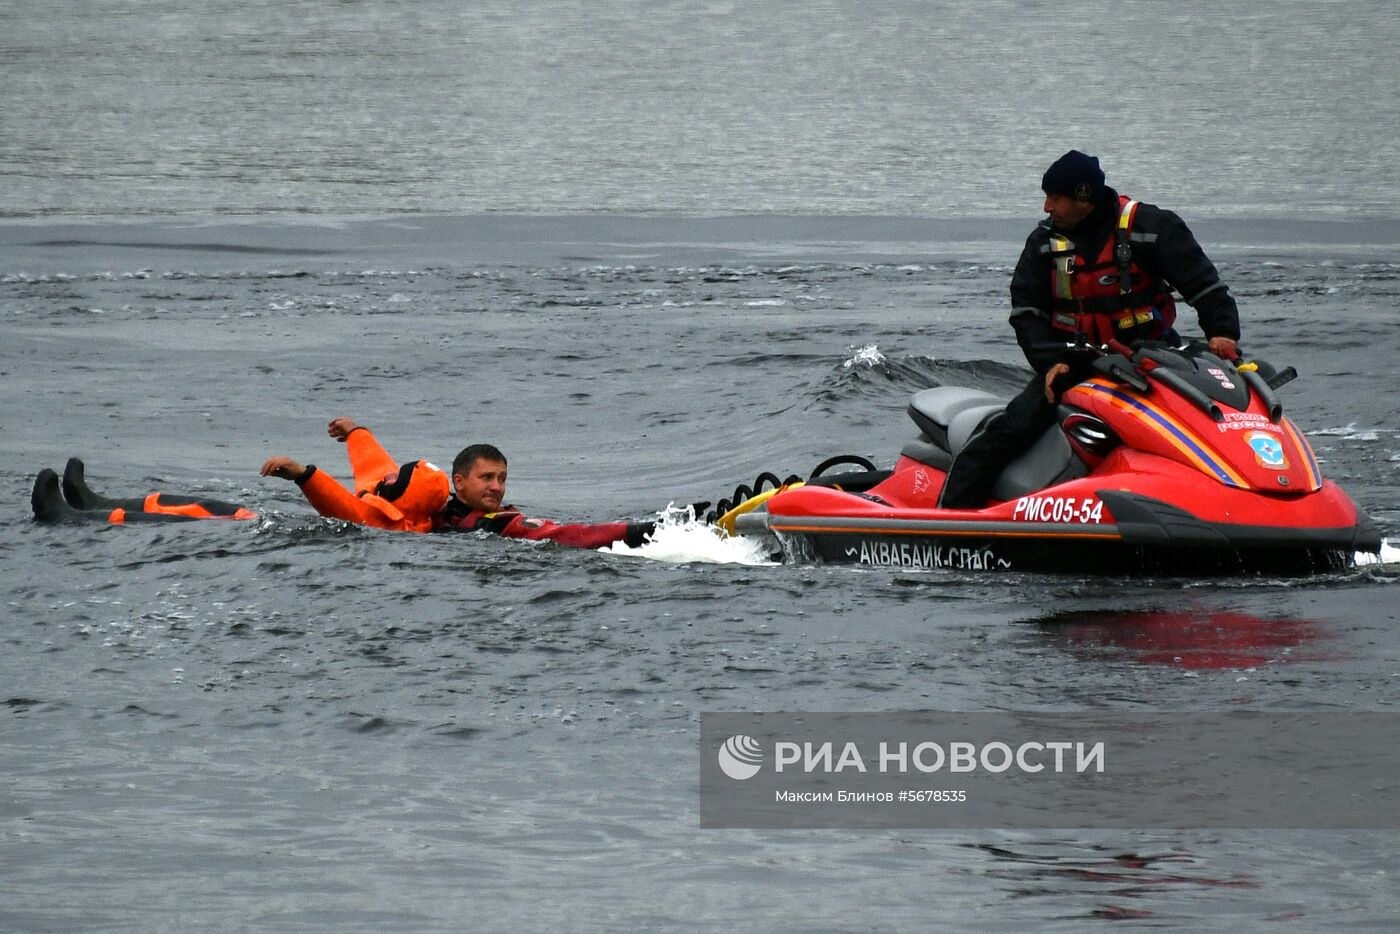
{"x": 1074, "y": 174}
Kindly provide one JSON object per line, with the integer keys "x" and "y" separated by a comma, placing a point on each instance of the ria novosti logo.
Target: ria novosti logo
{"x": 740, "y": 757}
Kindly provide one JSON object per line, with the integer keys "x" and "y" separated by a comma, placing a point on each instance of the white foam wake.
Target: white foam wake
{"x": 682, "y": 539}
{"x": 1389, "y": 554}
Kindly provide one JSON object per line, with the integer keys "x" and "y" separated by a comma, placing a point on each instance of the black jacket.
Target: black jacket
{"x": 1162, "y": 244}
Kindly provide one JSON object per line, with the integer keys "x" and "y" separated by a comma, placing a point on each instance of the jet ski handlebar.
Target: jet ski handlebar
{"x": 1134, "y": 366}
{"x": 1114, "y": 360}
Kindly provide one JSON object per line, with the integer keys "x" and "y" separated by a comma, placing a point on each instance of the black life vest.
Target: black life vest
{"x": 1110, "y": 296}
{"x": 457, "y": 515}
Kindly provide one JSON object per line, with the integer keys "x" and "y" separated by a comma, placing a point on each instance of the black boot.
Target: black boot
{"x": 49, "y": 505}
{"x": 79, "y": 496}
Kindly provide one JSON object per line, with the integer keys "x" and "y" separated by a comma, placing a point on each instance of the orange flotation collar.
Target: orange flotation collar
{"x": 413, "y": 493}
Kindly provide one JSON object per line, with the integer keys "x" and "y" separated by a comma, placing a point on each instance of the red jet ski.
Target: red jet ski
{"x": 1167, "y": 460}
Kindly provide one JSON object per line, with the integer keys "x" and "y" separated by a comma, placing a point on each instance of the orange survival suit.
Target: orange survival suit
{"x": 401, "y": 498}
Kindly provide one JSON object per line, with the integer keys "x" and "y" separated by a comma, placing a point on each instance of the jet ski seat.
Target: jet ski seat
{"x": 948, "y": 416}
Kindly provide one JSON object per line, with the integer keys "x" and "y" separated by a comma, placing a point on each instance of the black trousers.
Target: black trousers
{"x": 1000, "y": 440}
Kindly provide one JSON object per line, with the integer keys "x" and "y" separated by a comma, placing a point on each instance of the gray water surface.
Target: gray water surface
{"x": 905, "y": 107}
{"x": 291, "y": 724}
{"x": 649, "y": 249}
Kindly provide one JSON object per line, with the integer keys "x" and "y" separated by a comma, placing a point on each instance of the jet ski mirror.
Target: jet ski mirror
{"x": 1286, "y": 375}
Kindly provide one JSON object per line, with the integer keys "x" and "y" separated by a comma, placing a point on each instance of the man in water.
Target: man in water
{"x": 418, "y": 496}
{"x": 1102, "y": 266}
{"x": 479, "y": 489}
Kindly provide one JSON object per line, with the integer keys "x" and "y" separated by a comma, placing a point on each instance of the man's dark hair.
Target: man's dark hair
{"x": 469, "y": 455}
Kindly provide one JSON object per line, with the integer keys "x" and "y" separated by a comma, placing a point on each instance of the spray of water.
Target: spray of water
{"x": 682, "y": 539}
{"x": 869, "y": 355}
{"x": 1389, "y": 554}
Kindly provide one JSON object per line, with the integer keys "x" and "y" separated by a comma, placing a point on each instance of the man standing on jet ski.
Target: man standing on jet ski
{"x": 1101, "y": 265}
